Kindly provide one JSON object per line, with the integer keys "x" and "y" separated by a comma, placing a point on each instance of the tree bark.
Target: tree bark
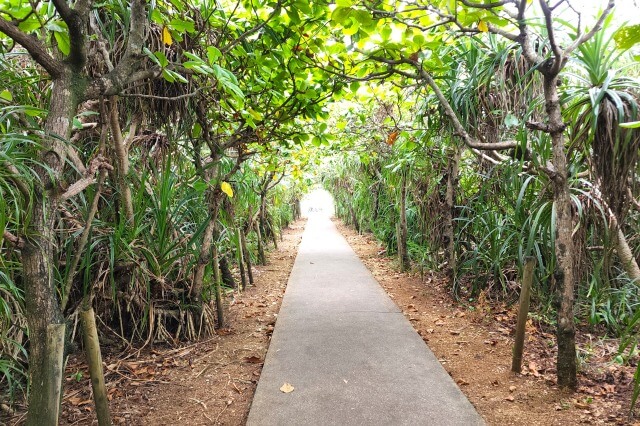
{"x": 42, "y": 307}
{"x": 403, "y": 253}
{"x": 628, "y": 260}
{"x": 449, "y": 216}
{"x": 122, "y": 157}
{"x": 564, "y": 247}
{"x": 246, "y": 255}
{"x": 217, "y": 289}
{"x": 240, "y": 259}
{"x": 227, "y": 277}
{"x": 262, "y": 258}
{"x": 205, "y": 249}
{"x": 94, "y": 360}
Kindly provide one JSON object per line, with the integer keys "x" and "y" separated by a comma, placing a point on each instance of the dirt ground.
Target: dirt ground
{"x": 474, "y": 344}
{"x": 212, "y": 382}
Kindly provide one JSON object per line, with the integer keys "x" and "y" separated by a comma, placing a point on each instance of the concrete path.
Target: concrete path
{"x": 350, "y": 354}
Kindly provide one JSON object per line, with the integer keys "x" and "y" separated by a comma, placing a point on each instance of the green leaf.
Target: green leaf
{"x": 292, "y": 13}
{"x": 196, "y": 131}
{"x": 631, "y": 125}
{"x": 213, "y": 53}
{"x": 181, "y": 25}
{"x": 6, "y": 95}
{"x": 341, "y": 14}
{"x": 63, "y": 42}
{"x": 628, "y": 36}
{"x": 162, "y": 59}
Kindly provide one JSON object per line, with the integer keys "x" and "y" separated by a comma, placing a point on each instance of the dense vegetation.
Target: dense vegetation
{"x": 148, "y": 150}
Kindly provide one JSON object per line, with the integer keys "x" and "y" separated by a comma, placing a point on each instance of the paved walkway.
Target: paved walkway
{"x": 350, "y": 354}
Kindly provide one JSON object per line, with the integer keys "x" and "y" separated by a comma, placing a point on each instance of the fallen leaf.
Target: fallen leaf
{"x": 512, "y": 388}
{"x": 253, "y": 359}
{"x": 510, "y": 398}
{"x": 287, "y": 388}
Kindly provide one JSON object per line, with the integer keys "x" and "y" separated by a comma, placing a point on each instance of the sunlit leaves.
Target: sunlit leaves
{"x": 627, "y": 36}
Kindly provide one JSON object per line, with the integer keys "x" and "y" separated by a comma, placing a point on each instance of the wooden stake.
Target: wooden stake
{"x": 55, "y": 358}
{"x": 94, "y": 359}
{"x": 523, "y": 312}
{"x": 240, "y": 253}
{"x": 246, "y": 255}
{"x": 218, "y": 290}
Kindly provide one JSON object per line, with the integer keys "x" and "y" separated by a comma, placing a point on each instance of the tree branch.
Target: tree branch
{"x": 17, "y": 180}
{"x": 76, "y": 20}
{"x": 459, "y": 129}
{"x": 34, "y": 47}
{"x": 97, "y": 163}
{"x": 127, "y": 71}
{"x": 15, "y": 241}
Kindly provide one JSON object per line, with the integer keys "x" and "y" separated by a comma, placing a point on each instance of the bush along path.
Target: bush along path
{"x": 474, "y": 344}
{"x": 327, "y": 362}
{"x": 202, "y": 383}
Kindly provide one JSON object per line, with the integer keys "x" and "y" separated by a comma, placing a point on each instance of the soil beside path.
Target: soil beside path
{"x": 474, "y": 346}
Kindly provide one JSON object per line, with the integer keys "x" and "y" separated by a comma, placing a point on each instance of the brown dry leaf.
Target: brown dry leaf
{"x": 512, "y": 388}
{"x": 510, "y": 398}
{"x": 253, "y": 359}
{"x": 533, "y": 367}
{"x": 455, "y": 332}
{"x": 79, "y": 401}
{"x": 392, "y": 138}
{"x": 287, "y": 388}
{"x": 439, "y": 322}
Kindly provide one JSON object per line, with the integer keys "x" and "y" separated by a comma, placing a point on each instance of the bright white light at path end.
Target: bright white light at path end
{"x": 317, "y": 202}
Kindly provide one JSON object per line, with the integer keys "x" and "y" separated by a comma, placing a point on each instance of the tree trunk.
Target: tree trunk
{"x": 122, "y": 157}
{"x": 564, "y": 274}
{"x": 405, "y": 263}
{"x": 207, "y": 243}
{"x": 227, "y": 277}
{"x": 42, "y": 307}
{"x": 240, "y": 259}
{"x": 218, "y": 290}
{"x": 272, "y": 231}
{"x": 449, "y": 216}
{"x": 262, "y": 258}
{"x": 246, "y": 255}
{"x": 354, "y": 218}
{"x": 628, "y": 260}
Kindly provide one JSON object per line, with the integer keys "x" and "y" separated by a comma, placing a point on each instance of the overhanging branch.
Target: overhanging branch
{"x": 34, "y": 47}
